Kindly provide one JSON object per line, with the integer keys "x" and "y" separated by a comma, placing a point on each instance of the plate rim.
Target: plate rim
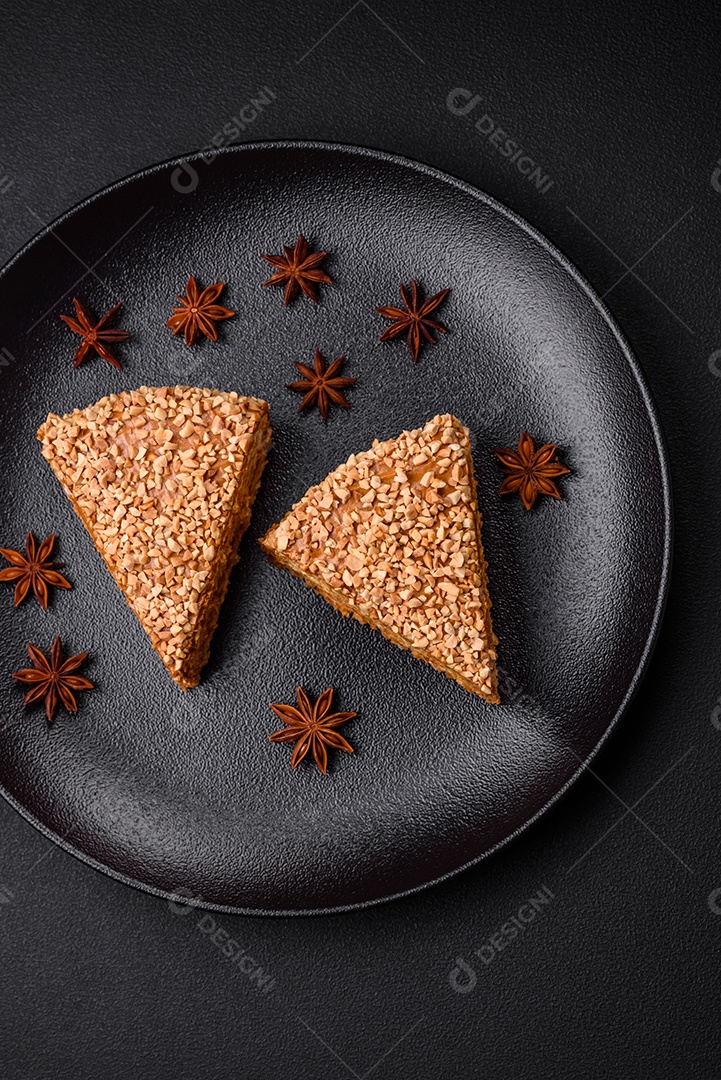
{"x": 189, "y": 902}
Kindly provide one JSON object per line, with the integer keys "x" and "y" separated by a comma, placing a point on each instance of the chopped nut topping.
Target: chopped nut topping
{"x": 393, "y": 537}
{"x": 165, "y": 501}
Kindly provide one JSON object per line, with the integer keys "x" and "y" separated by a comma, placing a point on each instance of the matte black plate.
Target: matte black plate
{"x": 184, "y": 794}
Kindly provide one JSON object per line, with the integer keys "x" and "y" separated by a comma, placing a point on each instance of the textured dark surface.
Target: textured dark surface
{"x": 184, "y": 792}
{"x": 617, "y": 976}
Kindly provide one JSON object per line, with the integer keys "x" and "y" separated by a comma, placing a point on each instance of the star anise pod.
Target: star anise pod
{"x": 95, "y": 333}
{"x": 312, "y": 728}
{"x": 413, "y": 318}
{"x": 35, "y": 569}
{"x": 322, "y": 386}
{"x": 53, "y": 680}
{"x": 530, "y": 471}
{"x": 297, "y": 270}
{"x": 198, "y": 312}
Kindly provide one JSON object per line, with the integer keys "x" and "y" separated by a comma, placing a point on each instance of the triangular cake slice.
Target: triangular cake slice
{"x": 393, "y": 537}
{"x": 164, "y": 481}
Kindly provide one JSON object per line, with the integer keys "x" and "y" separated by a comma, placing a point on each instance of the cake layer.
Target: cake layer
{"x": 164, "y": 480}
{"x": 393, "y": 538}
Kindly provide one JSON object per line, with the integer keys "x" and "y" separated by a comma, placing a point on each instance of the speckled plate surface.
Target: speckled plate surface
{"x": 184, "y": 794}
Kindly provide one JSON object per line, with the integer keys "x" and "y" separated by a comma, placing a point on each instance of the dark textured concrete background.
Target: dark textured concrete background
{"x": 616, "y": 974}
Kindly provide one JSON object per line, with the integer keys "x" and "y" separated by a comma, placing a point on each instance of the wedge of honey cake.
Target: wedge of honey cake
{"x": 164, "y": 481}
{"x": 393, "y": 538}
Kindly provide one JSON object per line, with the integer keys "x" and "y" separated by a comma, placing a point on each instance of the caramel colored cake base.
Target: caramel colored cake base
{"x": 393, "y": 538}
{"x": 164, "y": 481}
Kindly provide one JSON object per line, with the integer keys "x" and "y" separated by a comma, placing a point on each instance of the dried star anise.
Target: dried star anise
{"x": 312, "y": 728}
{"x": 35, "y": 569}
{"x": 198, "y": 312}
{"x": 321, "y": 386}
{"x": 530, "y": 471}
{"x": 53, "y": 680}
{"x": 413, "y": 318}
{"x": 95, "y": 333}
{"x": 297, "y": 270}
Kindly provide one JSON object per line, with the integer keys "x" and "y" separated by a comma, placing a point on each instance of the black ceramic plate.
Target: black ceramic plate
{"x": 184, "y": 794}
